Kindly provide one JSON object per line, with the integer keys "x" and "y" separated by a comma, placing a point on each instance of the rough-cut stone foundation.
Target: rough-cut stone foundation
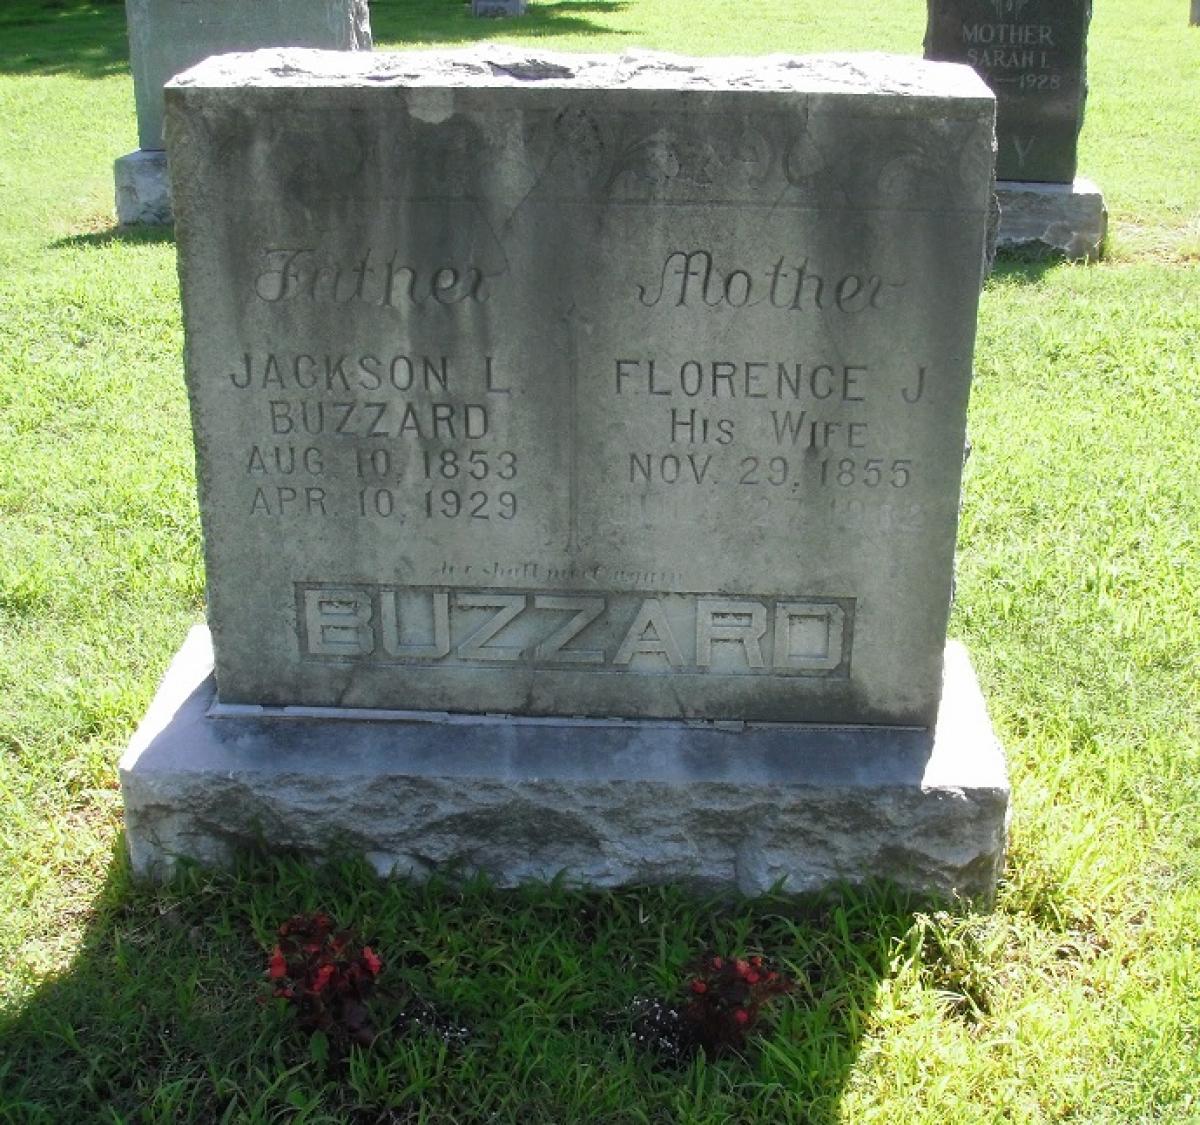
{"x": 1067, "y": 218}
{"x": 715, "y": 806}
{"x": 143, "y": 189}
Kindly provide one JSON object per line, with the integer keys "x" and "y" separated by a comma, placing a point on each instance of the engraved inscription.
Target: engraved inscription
{"x": 691, "y": 278}
{"x": 817, "y": 443}
{"x": 409, "y": 425}
{"x": 418, "y": 420}
{"x": 290, "y": 273}
{"x": 647, "y": 634}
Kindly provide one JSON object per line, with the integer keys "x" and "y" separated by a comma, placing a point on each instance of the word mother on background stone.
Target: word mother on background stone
{"x": 570, "y": 386}
{"x": 1033, "y": 54}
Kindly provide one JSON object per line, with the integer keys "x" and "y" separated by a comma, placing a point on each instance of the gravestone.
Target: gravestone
{"x": 1033, "y": 55}
{"x": 579, "y": 443}
{"x": 167, "y": 36}
{"x": 498, "y": 7}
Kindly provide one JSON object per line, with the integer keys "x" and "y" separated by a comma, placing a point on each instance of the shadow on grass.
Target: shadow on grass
{"x": 130, "y": 236}
{"x": 84, "y": 38}
{"x": 1025, "y": 265}
{"x": 405, "y": 23}
{"x": 161, "y": 1016}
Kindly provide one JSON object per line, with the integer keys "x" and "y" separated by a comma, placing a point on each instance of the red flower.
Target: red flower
{"x": 717, "y": 963}
{"x": 699, "y": 987}
{"x": 742, "y": 1016}
{"x": 371, "y": 960}
{"x": 322, "y": 977}
{"x": 752, "y": 978}
{"x": 742, "y": 967}
{"x": 277, "y": 967}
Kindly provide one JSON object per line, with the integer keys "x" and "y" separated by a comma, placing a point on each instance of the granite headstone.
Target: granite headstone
{"x": 167, "y": 36}
{"x": 491, "y": 8}
{"x": 528, "y": 392}
{"x": 1033, "y": 54}
{"x": 579, "y": 440}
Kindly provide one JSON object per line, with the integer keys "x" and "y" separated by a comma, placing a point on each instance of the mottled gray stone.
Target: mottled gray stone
{"x": 143, "y": 188}
{"x": 167, "y": 36}
{"x": 573, "y": 385}
{"x": 579, "y": 444}
{"x": 498, "y": 7}
{"x": 1070, "y": 219}
{"x": 715, "y": 806}
{"x": 1033, "y": 54}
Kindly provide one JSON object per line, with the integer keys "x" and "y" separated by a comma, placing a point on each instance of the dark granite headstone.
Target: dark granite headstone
{"x": 1033, "y": 55}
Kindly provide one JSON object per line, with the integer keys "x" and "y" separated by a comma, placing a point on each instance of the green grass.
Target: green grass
{"x": 1077, "y": 999}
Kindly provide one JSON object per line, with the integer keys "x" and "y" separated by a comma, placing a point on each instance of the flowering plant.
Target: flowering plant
{"x": 326, "y": 976}
{"x": 726, "y": 996}
{"x": 723, "y": 1001}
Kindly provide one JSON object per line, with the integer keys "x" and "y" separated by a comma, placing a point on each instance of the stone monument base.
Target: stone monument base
{"x": 143, "y": 188}
{"x": 1068, "y": 218}
{"x": 717, "y": 806}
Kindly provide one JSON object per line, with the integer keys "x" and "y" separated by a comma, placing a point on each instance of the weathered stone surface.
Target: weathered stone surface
{"x": 167, "y": 36}
{"x": 1067, "y": 218}
{"x": 143, "y": 189}
{"x": 1033, "y": 54}
{"x": 720, "y": 808}
{"x": 564, "y": 385}
{"x": 498, "y": 7}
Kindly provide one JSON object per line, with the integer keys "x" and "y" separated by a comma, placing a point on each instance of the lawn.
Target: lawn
{"x": 1077, "y": 998}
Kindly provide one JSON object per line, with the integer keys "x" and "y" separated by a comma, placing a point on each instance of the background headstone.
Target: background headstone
{"x": 1033, "y": 54}
{"x": 167, "y": 36}
{"x": 608, "y": 396}
{"x": 498, "y": 7}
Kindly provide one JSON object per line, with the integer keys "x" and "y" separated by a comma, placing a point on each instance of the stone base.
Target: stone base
{"x": 1068, "y": 218}
{"x": 717, "y": 806}
{"x": 143, "y": 188}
